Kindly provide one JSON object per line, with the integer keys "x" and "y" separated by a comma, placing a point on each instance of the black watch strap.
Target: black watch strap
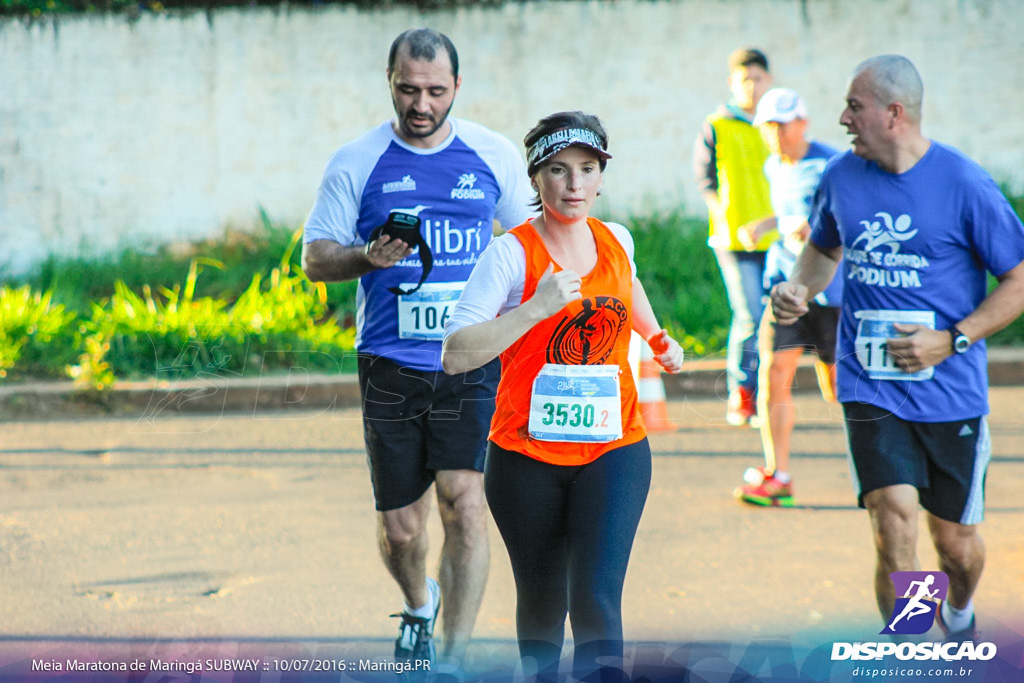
{"x": 959, "y": 341}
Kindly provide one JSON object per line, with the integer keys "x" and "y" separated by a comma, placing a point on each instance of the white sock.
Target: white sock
{"x": 781, "y": 477}
{"x": 427, "y": 610}
{"x": 957, "y": 619}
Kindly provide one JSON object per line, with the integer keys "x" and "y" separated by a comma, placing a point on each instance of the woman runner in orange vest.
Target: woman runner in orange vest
{"x": 568, "y": 462}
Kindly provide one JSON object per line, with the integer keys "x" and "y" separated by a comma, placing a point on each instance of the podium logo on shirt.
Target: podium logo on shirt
{"x": 887, "y": 232}
{"x": 875, "y": 258}
{"x": 465, "y": 189}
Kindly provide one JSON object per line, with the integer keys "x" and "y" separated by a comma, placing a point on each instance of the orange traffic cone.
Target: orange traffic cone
{"x": 651, "y": 393}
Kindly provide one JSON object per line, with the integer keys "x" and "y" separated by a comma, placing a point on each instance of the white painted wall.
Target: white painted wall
{"x": 171, "y": 127}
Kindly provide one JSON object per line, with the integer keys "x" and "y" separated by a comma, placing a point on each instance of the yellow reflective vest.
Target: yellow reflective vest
{"x": 740, "y": 154}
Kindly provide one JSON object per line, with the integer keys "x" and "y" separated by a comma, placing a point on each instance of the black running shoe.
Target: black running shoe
{"x": 416, "y": 634}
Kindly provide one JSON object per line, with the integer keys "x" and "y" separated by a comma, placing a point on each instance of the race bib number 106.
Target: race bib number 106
{"x": 422, "y": 314}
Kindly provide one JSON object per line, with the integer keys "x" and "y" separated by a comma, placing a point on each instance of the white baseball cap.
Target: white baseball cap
{"x": 781, "y": 105}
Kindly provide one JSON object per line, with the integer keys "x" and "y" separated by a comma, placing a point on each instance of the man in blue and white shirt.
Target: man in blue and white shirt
{"x": 916, "y": 225}
{"x": 793, "y": 171}
{"x": 421, "y": 426}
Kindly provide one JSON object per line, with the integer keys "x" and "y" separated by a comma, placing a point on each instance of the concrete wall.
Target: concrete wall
{"x": 115, "y": 132}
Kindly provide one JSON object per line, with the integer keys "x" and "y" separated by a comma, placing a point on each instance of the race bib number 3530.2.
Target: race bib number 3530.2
{"x": 874, "y": 330}
{"x": 579, "y": 403}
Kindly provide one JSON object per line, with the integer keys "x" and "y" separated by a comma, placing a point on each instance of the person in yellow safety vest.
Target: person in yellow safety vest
{"x": 729, "y": 158}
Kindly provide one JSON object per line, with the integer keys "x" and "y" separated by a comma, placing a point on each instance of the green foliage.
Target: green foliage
{"x": 244, "y": 307}
{"x": 1012, "y": 334}
{"x": 1016, "y": 200}
{"x": 273, "y": 323}
{"x": 93, "y": 372}
{"x": 32, "y": 330}
{"x": 177, "y": 335}
{"x": 236, "y": 256}
{"x": 682, "y": 280}
{"x": 79, "y": 281}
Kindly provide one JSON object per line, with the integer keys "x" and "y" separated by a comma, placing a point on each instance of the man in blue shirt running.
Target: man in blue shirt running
{"x": 916, "y": 225}
{"x": 408, "y": 208}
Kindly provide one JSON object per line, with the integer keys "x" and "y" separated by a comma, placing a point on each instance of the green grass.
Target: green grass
{"x": 239, "y": 305}
{"x": 227, "y": 264}
{"x": 1013, "y": 334}
{"x": 682, "y": 280}
{"x": 34, "y": 331}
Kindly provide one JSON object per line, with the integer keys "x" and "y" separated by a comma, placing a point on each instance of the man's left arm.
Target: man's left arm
{"x": 923, "y": 347}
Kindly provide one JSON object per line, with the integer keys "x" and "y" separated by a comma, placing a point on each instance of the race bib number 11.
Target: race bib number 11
{"x": 874, "y": 330}
{"x": 578, "y": 403}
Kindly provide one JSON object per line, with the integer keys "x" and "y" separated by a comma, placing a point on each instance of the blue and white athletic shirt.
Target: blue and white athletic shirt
{"x": 458, "y": 188}
{"x": 791, "y": 188}
{"x": 916, "y": 246}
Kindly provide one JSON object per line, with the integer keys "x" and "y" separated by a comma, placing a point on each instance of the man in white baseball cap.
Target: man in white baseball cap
{"x": 793, "y": 171}
{"x": 780, "y": 105}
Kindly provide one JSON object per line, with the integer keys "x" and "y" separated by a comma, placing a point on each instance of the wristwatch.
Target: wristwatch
{"x": 961, "y": 342}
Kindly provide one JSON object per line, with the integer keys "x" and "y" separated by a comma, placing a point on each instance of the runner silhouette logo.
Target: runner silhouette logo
{"x": 918, "y": 596}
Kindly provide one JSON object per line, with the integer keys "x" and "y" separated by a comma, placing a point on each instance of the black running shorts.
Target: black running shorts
{"x": 418, "y": 422}
{"x": 814, "y": 331}
{"x": 945, "y": 461}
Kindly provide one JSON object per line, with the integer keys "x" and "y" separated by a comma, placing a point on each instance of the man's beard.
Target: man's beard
{"x": 416, "y": 133}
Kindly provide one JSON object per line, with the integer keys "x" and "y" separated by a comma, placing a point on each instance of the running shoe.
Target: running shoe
{"x": 755, "y": 475}
{"x": 765, "y": 489}
{"x": 965, "y": 634}
{"x": 741, "y": 410}
{"x": 416, "y": 634}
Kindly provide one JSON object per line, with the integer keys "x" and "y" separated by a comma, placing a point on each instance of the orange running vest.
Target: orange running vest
{"x": 594, "y": 330}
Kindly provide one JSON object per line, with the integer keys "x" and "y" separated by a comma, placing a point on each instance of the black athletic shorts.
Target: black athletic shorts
{"x": 945, "y": 461}
{"x": 416, "y": 423}
{"x": 814, "y": 331}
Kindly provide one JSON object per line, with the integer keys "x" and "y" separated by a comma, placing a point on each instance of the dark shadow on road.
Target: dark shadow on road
{"x": 181, "y": 451}
{"x": 739, "y": 454}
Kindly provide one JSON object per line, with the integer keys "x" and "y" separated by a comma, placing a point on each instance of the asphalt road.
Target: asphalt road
{"x": 203, "y": 538}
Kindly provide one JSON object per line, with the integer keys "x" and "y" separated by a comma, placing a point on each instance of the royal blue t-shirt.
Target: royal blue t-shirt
{"x": 916, "y": 247}
{"x": 457, "y": 189}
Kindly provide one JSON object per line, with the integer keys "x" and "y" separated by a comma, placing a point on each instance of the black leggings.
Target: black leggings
{"x": 569, "y": 532}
